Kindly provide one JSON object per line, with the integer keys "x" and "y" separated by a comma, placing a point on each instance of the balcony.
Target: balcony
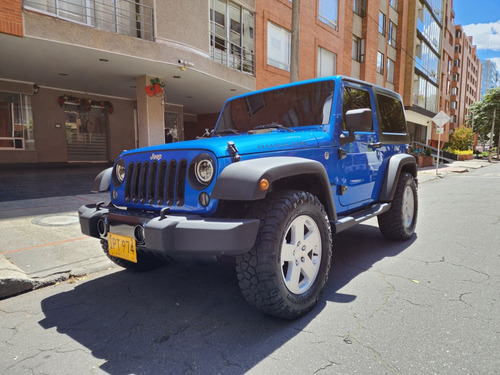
{"x": 232, "y": 55}
{"x": 124, "y": 17}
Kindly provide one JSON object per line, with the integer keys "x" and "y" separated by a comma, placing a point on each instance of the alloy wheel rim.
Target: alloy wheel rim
{"x": 408, "y": 206}
{"x": 301, "y": 254}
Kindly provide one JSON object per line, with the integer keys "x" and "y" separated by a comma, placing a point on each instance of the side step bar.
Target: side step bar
{"x": 345, "y": 222}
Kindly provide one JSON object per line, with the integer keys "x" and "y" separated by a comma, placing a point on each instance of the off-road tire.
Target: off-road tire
{"x": 399, "y": 222}
{"x": 293, "y": 226}
{"x": 145, "y": 262}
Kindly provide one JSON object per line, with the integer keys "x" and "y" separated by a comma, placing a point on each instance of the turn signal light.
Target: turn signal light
{"x": 263, "y": 184}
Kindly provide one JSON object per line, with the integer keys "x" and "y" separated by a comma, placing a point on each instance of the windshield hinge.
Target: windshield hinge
{"x": 342, "y": 154}
{"x": 231, "y": 147}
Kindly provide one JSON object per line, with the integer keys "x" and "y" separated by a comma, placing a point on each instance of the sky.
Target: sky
{"x": 481, "y": 20}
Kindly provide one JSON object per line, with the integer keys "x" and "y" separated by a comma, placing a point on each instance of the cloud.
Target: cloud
{"x": 486, "y": 36}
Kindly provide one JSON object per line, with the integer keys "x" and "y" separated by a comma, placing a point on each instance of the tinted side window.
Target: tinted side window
{"x": 354, "y": 99}
{"x": 391, "y": 115}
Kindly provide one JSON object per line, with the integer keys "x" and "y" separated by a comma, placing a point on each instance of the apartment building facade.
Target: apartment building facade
{"x": 81, "y": 80}
{"x": 491, "y": 76}
{"x": 466, "y": 78}
{"x": 80, "y": 70}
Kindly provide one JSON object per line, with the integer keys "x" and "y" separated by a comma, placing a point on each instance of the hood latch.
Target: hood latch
{"x": 231, "y": 148}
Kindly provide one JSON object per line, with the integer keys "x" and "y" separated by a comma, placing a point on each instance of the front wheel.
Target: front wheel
{"x": 399, "y": 222}
{"x": 287, "y": 269}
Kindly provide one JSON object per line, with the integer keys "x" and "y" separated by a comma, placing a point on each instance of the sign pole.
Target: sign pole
{"x": 437, "y": 163}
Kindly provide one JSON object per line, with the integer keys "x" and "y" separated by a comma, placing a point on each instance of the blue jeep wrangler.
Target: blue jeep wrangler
{"x": 283, "y": 170}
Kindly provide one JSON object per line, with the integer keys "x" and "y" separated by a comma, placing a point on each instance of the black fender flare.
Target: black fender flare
{"x": 240, "y": 181}
{"x": 103, "y": 181}
{"x": 395, "y": 165}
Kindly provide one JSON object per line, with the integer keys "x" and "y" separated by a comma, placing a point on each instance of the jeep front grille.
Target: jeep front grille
{"x": 156, "y": 183}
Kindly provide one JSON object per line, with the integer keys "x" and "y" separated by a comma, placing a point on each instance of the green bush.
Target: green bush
{"x": 461, "y": 139}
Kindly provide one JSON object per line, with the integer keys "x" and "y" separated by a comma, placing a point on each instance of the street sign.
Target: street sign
{"x": 440, "y": 119}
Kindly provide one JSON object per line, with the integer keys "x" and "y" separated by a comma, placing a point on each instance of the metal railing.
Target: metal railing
{"x": 126, "y": 17}
{"x": 231, "y": 54}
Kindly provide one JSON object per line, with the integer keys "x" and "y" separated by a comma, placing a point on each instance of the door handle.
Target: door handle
{"x": 375, "y": 145}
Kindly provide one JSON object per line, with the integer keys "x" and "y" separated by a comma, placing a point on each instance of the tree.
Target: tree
{"x": 482, "y": 115}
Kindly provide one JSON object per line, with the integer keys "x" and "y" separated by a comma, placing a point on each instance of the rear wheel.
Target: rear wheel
{"x": 286, "y": 271}
{"x": 145, "y": 262}
{"x": 399, "y": 222}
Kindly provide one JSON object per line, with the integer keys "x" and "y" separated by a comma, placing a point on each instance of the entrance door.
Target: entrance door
{"x": 86, "y": 134}
{"x": 172, "y": 127}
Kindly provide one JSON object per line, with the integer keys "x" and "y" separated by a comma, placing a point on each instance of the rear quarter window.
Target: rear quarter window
{"x": 391, "y": 115}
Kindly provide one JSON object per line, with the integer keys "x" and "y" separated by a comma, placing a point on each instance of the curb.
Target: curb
{"x": 14, "y": 281}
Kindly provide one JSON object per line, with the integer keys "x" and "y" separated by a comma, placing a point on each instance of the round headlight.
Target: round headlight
{"x": 204, "y": 171}
{"x": 120, "y": 170}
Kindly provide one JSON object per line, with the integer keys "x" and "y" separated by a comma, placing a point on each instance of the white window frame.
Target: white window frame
{"x": 278, "y": 46}
{"x": 324, "y": 7}
{"x": 326, "y": 59}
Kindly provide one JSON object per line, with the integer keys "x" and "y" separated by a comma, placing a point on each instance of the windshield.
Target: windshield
{"x": 294, "y": 106}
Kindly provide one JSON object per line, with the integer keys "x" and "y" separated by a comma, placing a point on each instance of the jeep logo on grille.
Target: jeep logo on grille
{"x": 155, "y": 156}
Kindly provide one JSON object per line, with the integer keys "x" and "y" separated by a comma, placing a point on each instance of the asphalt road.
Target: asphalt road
{"x": 427, "y": 306}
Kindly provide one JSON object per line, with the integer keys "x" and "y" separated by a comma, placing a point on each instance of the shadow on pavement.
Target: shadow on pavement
{"x": 22, "y": 184}
{"x": 188, "y": 317}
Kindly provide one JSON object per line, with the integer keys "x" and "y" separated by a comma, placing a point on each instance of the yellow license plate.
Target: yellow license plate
{"x": 122, "y": 247}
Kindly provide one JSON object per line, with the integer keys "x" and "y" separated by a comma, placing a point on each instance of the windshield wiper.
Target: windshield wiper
{"x": 228, "y": 131}
{"x": 273, "y": 125}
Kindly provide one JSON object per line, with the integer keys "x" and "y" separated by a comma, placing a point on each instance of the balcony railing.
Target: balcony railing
{"x": 231, "y": 54}
{"x": 126, "y": 17}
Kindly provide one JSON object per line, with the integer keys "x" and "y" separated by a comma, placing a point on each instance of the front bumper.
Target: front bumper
{"x": 172, "y": 234}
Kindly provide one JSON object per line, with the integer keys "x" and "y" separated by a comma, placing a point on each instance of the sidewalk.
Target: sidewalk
{"x": 41, "y": 241}
{"x": 429, "y": 173}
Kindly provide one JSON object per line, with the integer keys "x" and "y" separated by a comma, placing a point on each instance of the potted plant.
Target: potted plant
{"x": 425, "y": 159}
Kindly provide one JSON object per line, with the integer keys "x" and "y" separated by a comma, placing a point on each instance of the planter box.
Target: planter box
{"x": 425, "y": 161}
{"x": 465, "y": 157}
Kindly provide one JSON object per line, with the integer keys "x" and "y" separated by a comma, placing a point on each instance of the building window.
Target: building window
{"x": 278, "y": 46}
{"x": 358, "y": 49}
{"x": 458, "y": 48}
{"x": 391, "y": 66}
{"x": 232, "y": 35}
{"x": 456, "y": 62}
{"x": 427, "y": 61}
{"x": 425, "y": 94}
{"x": 453, "y": 105}
{"x": 394, "y": 4}
{"x": 455, "y": 77}
{"x": 130, "y": 18}
{"x": 454, "y": 91}
{"x": 328, "y": 12}
{"x": 16, "y": 122}
{"x": 382, "y": 20}
{"x": 360, "y": 7}
{"x": 393, "y": 30}
{"x": 327, "y": 63}
{"x": 380, "y": 63}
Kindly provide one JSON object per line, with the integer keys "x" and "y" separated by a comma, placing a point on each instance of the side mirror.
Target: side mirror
{"x": 357, "y": 120}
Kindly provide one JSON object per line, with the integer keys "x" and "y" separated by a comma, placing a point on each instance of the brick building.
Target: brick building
{"x": 74, "y": 74}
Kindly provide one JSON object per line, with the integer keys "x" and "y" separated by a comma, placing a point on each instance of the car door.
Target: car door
{"x": 360, "y": 158}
